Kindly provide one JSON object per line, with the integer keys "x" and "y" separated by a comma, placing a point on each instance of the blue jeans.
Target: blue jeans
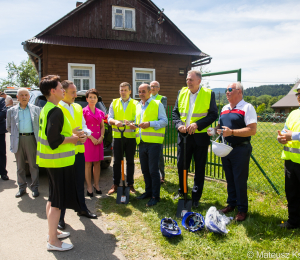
{"x": 149, "y": 158}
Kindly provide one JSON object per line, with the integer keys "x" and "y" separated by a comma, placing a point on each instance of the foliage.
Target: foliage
{"x": 23, "y": 75}
{"x": 272, "y": 90}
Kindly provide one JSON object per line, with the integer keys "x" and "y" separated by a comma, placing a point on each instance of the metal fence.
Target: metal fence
{"x": 266, "y": 172}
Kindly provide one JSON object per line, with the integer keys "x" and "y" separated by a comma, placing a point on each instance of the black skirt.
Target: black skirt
{"x": 62, "y": 188}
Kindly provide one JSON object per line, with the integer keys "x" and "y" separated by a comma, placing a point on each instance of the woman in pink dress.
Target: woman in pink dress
{"x": 94, "y": 152}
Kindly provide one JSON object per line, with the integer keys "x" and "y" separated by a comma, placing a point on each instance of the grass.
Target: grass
{"x": 137, "y": 228}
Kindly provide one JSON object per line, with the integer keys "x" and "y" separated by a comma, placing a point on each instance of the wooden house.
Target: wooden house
{"x": 102, "y": 43}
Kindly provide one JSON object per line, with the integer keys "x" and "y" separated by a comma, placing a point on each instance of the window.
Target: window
{"x": 83, "y": 75}
{"x": 140, "y": 76}
{"x": 123, "y": 18}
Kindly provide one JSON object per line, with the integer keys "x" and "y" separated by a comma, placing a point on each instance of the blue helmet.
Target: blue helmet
{"x": 193, "y": 221}
{"x": 169, "y": 227}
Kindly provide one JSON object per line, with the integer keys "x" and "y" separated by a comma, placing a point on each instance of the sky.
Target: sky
{"x": 260, "y": 37}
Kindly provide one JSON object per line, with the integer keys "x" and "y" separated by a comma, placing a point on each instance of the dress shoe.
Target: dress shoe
{"x": 132, "y": 190}
{"x": 241, "y": 216}
{"x": 61, "y": 235}
{"x": 287, "y": 225}
{"x": 227, "y": 209}
{"x": 61, "y": 225}
{"x": 178, "y": 195}
{"x": 152, "y": 202}
{"x": 64, "y": 247}
{"x": 195, "y": 204}
{"x": 98, "y": 191}
{"x": 144, "y": 196}
{"x": 89, "y": 194}
{"x": 4, "y": 177}
{"x": 86, "y": 213}
{"x": 35, "y": 193}
{"x": 20, "y": 193}
{"x": 113, "y": 189}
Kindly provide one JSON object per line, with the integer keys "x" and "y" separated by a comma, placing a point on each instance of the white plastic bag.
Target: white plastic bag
{"x": 216, "y": 222}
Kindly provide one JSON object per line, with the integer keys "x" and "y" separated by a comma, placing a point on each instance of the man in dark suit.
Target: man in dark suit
{"x": 194, "y": 111}
{"x": 3, "y": 171}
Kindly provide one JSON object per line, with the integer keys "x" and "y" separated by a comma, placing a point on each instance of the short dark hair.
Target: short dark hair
{"x": 47, "y": 83}
{"x": 92, "y": 91}
{"x": 124, "y": 84}
{"x": 66, "y": 84}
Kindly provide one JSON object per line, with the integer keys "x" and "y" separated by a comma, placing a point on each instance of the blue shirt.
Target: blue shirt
{"x": 25, "y": 124}
{"x": 111, "y": 114}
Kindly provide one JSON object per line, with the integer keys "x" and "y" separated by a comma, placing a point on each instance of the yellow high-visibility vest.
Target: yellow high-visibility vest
{"x": 64, "y": 154}
{"x": 291, "y": 150}
{"x": 75, "y": 122}
{"x": 159, "y": 97}
{"x": 149, "y": 135}
{"x": 201, "y": 106}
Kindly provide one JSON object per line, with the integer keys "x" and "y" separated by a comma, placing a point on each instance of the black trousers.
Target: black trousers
{"x": 292, "y": 191}
{"x": 129, "y": 145}
{"x": 200, "y": 156}
{"x": 3, "y": 170}
{"x": 79, "y": 179}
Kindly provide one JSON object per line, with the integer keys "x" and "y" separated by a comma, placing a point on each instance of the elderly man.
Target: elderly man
{"x": 73, "y": 112}
{"x": 290, "y": 138}
{"x": 194, "y": 111}
{"x": 8, "y": 99}
{"x": 23, "y": 124}
{"x": 155, "y": 88}
{"x": 237, "y": 122}
{"x": 151, "y": 119}
{"x": 3, "y": 171}
{"x": 122, "y": 109}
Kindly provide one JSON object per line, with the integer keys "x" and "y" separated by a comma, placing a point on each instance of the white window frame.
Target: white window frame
{"x": 123, "y": 13}
{"x": 72, "y": 66}
{"x": 134, "y": 70}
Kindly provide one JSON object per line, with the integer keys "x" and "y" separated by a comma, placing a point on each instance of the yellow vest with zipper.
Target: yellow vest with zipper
{"x": 64, "y": 154}
{"x": 120, "y": 115}
{"x": 149, "y": 135}
{"x": 201, "y": 106}
{"x": 75, "y": 122}
{"x": 291, "y": 150}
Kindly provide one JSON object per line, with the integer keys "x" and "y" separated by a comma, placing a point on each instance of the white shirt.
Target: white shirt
{"x": 191, "y": 106}
{"x": 71, "y": 110}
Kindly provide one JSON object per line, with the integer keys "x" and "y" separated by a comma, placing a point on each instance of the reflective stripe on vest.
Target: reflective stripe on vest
{"x": 291, "y": 150}
{"x": 201, "y": 106}
{"x": 149, "y": 135}
{"x": 64, "y": 154}
{"x": 119, "y": 115}
{"x": 75, "y": 122}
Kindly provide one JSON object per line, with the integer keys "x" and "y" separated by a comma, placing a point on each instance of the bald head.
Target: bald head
{"x": 144, "y": 92}
{"x": 155, "y": 87}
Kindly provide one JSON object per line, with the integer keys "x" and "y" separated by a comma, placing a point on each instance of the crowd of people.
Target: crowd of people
{"x": 67, "y": 140}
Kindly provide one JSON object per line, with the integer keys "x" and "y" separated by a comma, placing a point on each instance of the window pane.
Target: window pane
{"x": 145, "y": 76}
{"x": 81, "y": 73}
{"x": 128, "y": 19}
{"x": 119, "y": 21}
{"x": 77, "y": 84}
{"x": 118, "y": 11}
{"x": 86, "y": 84}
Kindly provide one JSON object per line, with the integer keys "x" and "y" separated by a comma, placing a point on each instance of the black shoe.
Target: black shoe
{"x": 89, "y": 194}
{"x": 195, "y": 204}
{"x": 178, "y": 195}
{"x": 152, "y": 202}
{"x": 144, "y": 196}
{"x": 86, "y": 213}
{"x": 20, "y": 193}
{"x": 4, "y": 177}
{"x": 61, "y": 225}
{"x": 97, "y": 191}
{"x": 287, "y": 225}
{"x": 35, "y": 193}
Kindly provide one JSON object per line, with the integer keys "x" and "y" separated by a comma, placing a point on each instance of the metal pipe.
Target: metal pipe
{"x": 35, "y": 55}
{"x": 239, "y": 74}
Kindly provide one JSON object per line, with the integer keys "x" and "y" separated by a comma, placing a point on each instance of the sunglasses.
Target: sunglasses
{"x": 229, "y": 89}
{"x": 297, "y": 94}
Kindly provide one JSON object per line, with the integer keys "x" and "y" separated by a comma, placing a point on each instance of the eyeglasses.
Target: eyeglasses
{"x": 229, "y": 89}
{"x": 154, "y": 86}
{"x": 297, "y": 94}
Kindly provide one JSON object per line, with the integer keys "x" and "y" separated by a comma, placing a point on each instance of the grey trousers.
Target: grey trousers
{"x": 27, "y": 151}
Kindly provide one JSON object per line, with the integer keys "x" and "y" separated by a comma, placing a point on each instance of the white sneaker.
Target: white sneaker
{"x": 62, "y": 235}
{"x": 64, "y": 247}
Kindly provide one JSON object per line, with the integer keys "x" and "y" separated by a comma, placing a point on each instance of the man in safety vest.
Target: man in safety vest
{"x": 74, "y": 114}
{"x": 56, "y": 153}
{"x": 151, "y": 120}
{"x": 123, "y": 109}
{"x": 155, "y": 88}
{"x": 194, "y": 111}
{"x": 290, "y": 137}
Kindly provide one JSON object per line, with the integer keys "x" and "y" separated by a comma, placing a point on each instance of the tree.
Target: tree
{"x": 23, "y": 76}
{"x": 261, "y": 108}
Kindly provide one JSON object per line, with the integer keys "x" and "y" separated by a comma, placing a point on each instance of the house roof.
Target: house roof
{"x": 289, "y": 100}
